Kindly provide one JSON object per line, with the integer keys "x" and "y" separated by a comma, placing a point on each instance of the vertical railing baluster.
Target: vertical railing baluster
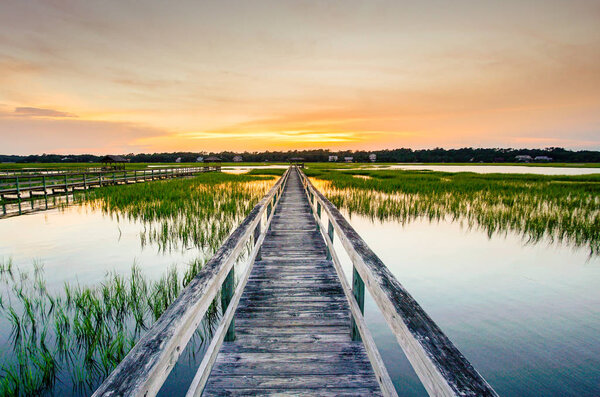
{"x": 256, "y": 237}
{"x": 226, "y": 295}
{"x": 358, "y": 290}
{"x": 330, "y": 234}
{"x": 19, "y": 195}
{"x": 45, "y": 192}
{"x": 319, "y": 209}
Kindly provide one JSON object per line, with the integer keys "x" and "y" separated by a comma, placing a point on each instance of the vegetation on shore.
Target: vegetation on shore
{"x": 561, "y": 208}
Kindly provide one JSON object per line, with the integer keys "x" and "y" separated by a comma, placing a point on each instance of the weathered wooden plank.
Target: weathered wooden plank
{"x": 293, "y": 382}
{"x": 293, "y": 330}
{"x": 286, "y": 347}
{"x": 329, "y": 392}
{"x": 284, "y": 368}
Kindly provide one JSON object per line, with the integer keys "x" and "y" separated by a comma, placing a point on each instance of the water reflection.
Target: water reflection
{"x": 72, "y": 305}
{"x": 526, "y": 315}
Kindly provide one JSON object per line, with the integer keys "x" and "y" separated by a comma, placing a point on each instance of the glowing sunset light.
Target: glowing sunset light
{"x": 233, "y": 75}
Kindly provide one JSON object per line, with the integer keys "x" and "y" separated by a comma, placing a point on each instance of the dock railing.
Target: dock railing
{"x": 145, "y": 368}
{"x": 17, "y": 188}
{"x": 440, "y": 366}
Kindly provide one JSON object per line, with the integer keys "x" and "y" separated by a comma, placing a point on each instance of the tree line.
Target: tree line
{"x": 404, "y": 155}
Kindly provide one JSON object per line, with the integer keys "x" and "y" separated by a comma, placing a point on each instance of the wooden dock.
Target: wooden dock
{"x": 293, "y": 320}
{"x": 293, "y": 324}
{"x": 21, "y": 187}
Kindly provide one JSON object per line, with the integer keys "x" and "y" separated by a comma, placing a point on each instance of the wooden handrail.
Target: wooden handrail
{"x": 441, "y": 367}
{"x": 145, "y": 368}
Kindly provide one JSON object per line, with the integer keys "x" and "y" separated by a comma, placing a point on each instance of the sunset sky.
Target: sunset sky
{"x": 145, "y": 76}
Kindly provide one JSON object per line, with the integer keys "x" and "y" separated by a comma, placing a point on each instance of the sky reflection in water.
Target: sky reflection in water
{"x": 526, "y": 315}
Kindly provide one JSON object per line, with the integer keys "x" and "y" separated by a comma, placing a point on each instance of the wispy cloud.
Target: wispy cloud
{"x": 41, "y": 112}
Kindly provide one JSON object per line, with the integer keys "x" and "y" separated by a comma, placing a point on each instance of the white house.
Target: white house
{"x": 333, "y": 158}
{"x": 348, "y": 159}
{"x": 524, "y": 158}
{"x": 237, "y": 159}
{"x": 199, "y": 159}
{"x": 543, "y": 158}
{"x": 178, "y": 160}
{"x": 372, "y": 157}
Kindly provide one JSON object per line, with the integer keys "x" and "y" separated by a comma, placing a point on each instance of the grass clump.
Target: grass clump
{"x": 561, "y": 208}
{"x": 181, "y": 213}
{"x": 79, "y": 334}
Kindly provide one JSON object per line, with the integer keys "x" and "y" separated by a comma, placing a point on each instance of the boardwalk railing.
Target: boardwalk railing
{"x": 440, "y": 366}
{"x": 143, "y": 371}
{"x": 27, "y": 187}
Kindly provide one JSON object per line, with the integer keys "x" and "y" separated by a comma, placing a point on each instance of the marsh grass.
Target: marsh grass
{"x": 182, "y": 213}
{"x": 68, "y": 341}
{"x": 79, "y": 334}
{"x": 560, "y": 208}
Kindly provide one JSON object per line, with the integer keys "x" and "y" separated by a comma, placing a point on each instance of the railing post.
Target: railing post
{"x": 226, "y": 295}
{"x": 256, "y": 237}
{"x": 319, "y": 209}
{"x": 66, "y": 184}
{"x": 45, "y": 192}
{"x": 84, "y": 182}
{"x": 269, "y": 210}
{"x": 18, "y": 195}
{"x": 152, "y": 174}
{"x": 358, "y": 290}
{"x": 330, "y": 234}
{"x": 100, "y": 180}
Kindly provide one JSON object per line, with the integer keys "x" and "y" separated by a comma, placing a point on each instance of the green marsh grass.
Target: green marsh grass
{"x": 181, "y": 213}
{"x": 68, "y": 341}
{"x": 82, "y": 332}
{"x": 560, "y": 208}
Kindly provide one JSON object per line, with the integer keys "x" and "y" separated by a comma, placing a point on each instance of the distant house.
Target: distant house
{"x": 348, "y": 159}
{"x": 523, "y": 158}
{"x": 178, "y": 160}
{"x": 333, "y": 158}
{"x": 238, "y": 159}
{"x": 372, "y": 157}
{"x": 543, "y": 158}
{"x": 199, "y": 159}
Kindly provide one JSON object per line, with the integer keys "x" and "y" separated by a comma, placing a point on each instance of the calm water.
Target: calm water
{"x": 526, "y": 316}
{"x": 503, "y": 169}
{"x": 80, "y": 245}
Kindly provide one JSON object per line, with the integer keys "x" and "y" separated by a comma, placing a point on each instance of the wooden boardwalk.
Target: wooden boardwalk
{"x": 292, "y": 325}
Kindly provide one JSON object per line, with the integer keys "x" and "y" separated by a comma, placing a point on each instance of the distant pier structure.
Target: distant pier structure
{"x": 297, "y": 161}
{"x": 113, "y": 162}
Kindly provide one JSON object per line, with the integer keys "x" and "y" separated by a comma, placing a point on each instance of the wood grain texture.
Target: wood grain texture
{"x": 293, "y": 319}
{"x": 441, "y": 367}
{"x": 145, "y": 368}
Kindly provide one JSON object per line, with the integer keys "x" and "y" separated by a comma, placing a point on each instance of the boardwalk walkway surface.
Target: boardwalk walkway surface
{"x": 292, "y": 325}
